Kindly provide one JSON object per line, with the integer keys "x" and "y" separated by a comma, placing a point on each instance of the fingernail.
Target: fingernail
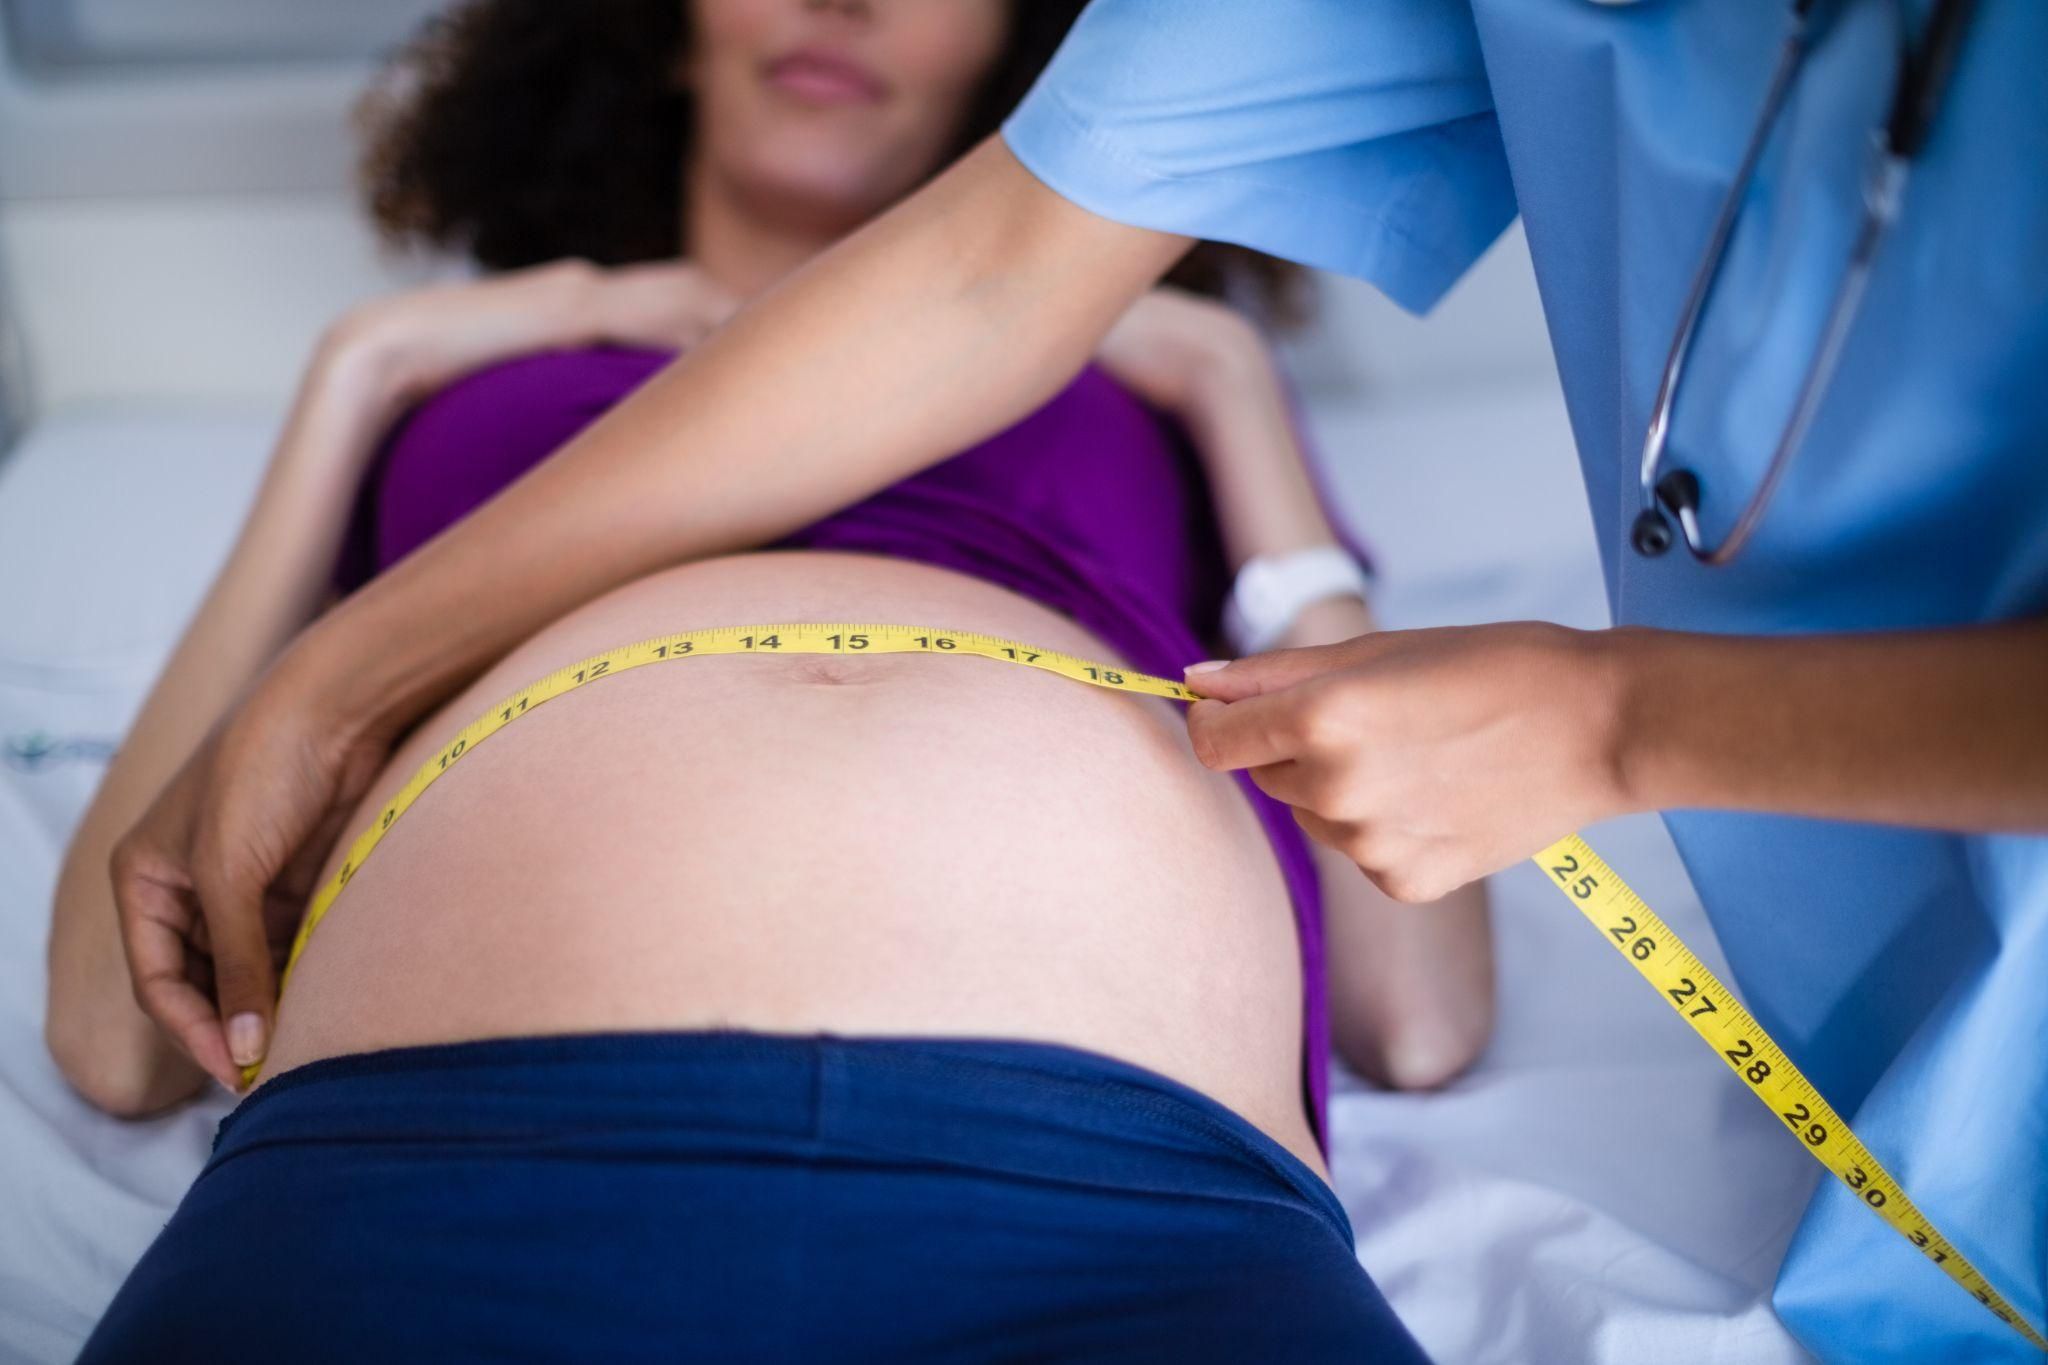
{"x": 1206, "y": 666}
{"x": 245, "y": 1039}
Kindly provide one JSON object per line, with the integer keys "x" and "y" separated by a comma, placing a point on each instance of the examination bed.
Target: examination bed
{"x": 1496, "y": 1215}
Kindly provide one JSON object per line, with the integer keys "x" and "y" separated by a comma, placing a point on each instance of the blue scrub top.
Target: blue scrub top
{"x": 1906, "y": 972}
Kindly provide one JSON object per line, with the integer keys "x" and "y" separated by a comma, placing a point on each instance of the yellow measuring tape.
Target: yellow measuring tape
{"x": 1627, "y": 922}
{"x": 1636, "y": 932}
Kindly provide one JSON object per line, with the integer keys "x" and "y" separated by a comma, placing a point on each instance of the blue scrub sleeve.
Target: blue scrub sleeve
{"x": 1353, "y": 135}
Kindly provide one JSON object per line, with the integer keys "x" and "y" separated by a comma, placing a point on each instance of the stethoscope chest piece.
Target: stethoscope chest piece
{"x": 1924, "y": 69}
{"x": 1679, "y": 493}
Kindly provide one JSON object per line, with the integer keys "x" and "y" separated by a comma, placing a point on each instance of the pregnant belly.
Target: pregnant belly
{"x": 898, "y": 845}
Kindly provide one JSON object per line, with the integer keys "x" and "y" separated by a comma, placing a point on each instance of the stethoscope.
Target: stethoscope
{"x": 1923, "y": 77}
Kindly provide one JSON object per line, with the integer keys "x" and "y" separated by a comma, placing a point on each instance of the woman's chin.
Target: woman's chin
{"x": 837, "y": 191}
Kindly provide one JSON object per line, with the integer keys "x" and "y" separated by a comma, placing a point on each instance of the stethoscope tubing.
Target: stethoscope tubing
{"x": 1922, "y": 81}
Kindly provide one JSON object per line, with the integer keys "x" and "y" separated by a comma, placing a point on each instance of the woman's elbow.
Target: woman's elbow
{"x": 1425, "y": 1049}
{"x": 122, "y": 1081}
{"x": 1427, "y": 1059}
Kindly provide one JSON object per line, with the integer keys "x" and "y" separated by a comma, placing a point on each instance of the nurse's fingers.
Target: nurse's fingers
{"x": 1308, "y": 786}
{"x": 1258, "y": 674}
{"x": 1397, "y": 868}
{"x": 1330, "y": 834}
{"x": 157, "y": 919}
{"x": 231, "y": 894}
{"x": 1245, "y": 734}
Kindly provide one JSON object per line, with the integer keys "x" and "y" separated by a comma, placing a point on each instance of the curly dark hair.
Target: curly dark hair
{"x": 524, "y": 131}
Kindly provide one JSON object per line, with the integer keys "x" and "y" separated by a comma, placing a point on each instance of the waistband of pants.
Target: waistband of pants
{"x": 1028, "y": 1109}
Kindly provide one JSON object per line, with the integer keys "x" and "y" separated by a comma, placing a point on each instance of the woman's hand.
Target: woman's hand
{"x": 211, "y": 883}
{"x": 665, "y": 305}
{"x": 418, "y": 342}
{"x": 1428, "y": 757}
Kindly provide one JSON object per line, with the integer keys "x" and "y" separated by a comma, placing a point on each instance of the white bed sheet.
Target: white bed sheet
{"x": 1499, "y": 1217}
{"x": 111, "y": 525}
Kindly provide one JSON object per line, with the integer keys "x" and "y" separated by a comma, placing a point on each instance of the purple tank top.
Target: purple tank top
{"x": 1092, "y": 506}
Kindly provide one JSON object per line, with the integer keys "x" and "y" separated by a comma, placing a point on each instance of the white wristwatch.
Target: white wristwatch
{"x": 1272, "y": 591}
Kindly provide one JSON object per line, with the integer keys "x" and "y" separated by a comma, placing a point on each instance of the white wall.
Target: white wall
{"x": 208, "y": 300}
{"x": 175, "y": 231}
{"x": 180, "y": 233}
{"x": 1487, "y": 332}
{"x": 217, "y": 299}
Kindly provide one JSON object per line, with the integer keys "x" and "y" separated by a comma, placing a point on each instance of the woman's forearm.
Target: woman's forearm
{"x": 1266, "y": 501}
{"x": 943, "y": 320}
{"x": 272, "y": 582}
{"x": 1944, "y": 729}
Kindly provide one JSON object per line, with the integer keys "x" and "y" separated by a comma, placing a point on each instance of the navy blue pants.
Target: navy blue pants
{"x": 747, "y": 1197}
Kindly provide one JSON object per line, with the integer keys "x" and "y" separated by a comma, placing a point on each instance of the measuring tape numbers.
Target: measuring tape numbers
{"x": 1635, "y": 931}
{"x": 1623, "y": 918}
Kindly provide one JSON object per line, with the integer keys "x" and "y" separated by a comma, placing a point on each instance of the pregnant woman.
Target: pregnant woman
{"x": 771, "y": 1007}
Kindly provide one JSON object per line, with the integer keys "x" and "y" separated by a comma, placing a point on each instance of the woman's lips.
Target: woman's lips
{"x": 825, "y": 78}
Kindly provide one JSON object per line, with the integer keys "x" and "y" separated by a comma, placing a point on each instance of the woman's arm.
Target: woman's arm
{"x": 1411, "y": 987}
{"x": 372, "y": 364}
{"x": 1206, "y": 364}
{"x": 951, "y": 315}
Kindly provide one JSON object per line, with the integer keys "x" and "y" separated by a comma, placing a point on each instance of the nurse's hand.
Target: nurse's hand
{"x": 211, "y": 883}
{"x": 1428, "y": 757}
